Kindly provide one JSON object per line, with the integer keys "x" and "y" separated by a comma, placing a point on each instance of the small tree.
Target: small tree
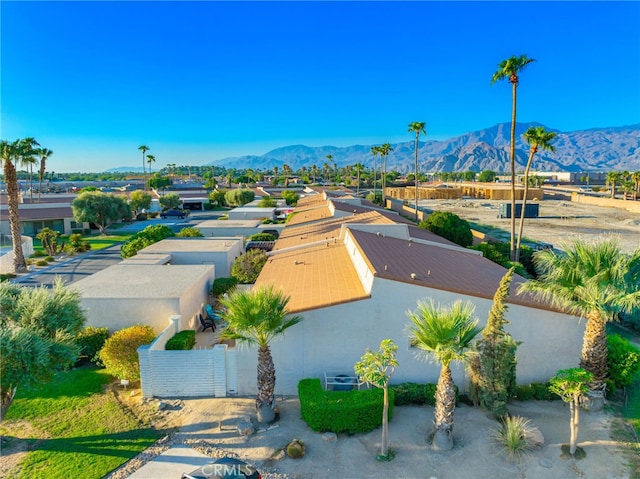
{"x": 267, "y": 202}
{"x": 170, "y": 201}
{"x": 247, "y": 267}
{"x": 493, "y": 370}
{"x": 449, "y": 226}
{"x": 239, "y": 197}
{"x": 570, "y": 384}
{"x": 290, "y": 197}
{"x": 487, "y": 176}
{"x": 100, "y": 209}
{"x": 120, "y": 352}
{"x": 217, "y": 197}
{"x": 49, "y": 239}
{"x": 140, "y": 200}
{"x": 376, "y": 368}
{"x": 37, "y": 331}
{"x": 189, "y": 232}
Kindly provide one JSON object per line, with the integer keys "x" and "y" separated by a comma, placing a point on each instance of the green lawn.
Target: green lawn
{"x": 97, "y": 241}
{"x": 75, "y": 428}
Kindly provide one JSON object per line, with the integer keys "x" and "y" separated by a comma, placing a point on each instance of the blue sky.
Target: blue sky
{"x": 201, "y": 81}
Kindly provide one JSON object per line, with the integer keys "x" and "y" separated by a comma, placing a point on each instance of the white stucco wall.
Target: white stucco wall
{"x": 334, "y": 339}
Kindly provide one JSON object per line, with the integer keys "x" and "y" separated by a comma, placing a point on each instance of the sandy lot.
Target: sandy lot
{"x": 209, "y": 425}
{"x": 560, "y": 220}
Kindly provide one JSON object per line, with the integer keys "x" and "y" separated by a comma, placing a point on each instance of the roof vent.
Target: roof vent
{"x": 413, "y": 276}
{"x": 428, "y": 272}
{"x": 385, "y": 267}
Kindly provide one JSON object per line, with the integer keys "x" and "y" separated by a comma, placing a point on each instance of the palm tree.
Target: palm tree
{"x": 375, "y": 150}
{"x": 358, "y": 167}
{"x": 286, "y": 169}
{"x": 417, "y": 127}
{"x": 150, "y": 159}
{"x": 13, "y": 154}
{"x": 593, "y": 280}
{"x": 256, "y": 317}
{"x": 613, "y": 178}
{"x": 445, "y": 333}
{"x": 536, "y": 137}
{"x": 325, "y": 170}
{"x": 329, "y": 157}
{"x": 144, "y": 150}
{"x": 314, "y": 172}
{"x": 29, "y": 158}
{"x": 44, "y": 155}
{"x": 385, "y": 149}
{"x": 635, "y": 177}
{"x": 508, "y": 70}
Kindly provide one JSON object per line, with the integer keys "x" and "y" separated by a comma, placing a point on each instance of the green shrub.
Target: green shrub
{"x": 131, "y": 247}
{"x": 42, "y": 262}
{"x": 247, "y": 267}
{"x": 182, "y": 341}
{"x": 38, "y": 254}
{"x": 267, "y": 202}
{"x": 142, "y": 239}
{"x": 223, "y": 285}
{"x": 341, "y": 411}
{"x": 120, "y": 352}
{"x": 91, "y": 340}
{"x": 449, "y": 226}
{"x": 49, "y": 259}
{"x": 141, "y": 217}
{"x": 290, "y": 197}
{"x": 262, "y": 237}
{"x": 77, "y": 245}
{"x": 417, "y": 394}
{"x": 189, "y": 232}
{"x": 537, "y": 391}
{"x": 512, "y": 437}
{"x": 623, "y": 359}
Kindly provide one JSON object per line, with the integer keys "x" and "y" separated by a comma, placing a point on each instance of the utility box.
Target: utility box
{"x": 531, "y": 210}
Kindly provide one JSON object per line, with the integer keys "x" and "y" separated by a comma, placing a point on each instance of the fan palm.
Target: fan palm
{"x": 385, "y": 150}
{"x": 144, "y": 150}
{"x": 13, "y": 154}
{"x": 358, "y": 167}
{"x": 613, "y": 178}
{"x": 446, "y": 334}
{"x": 417, "y": 127}
{"x": 44, "y": 156}
{"x": 537, "y": 138}
{"x": 593, "y": 280}
{"x": 256, "y": 317}
{"x": 509, "y": 69}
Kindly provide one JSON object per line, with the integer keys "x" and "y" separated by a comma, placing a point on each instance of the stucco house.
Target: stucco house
{"x": 353, "y": 272}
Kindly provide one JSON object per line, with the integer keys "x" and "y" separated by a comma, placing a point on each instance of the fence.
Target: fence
{"x": 194, "y": 373}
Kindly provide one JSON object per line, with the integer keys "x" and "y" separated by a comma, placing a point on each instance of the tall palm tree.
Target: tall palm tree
{"x": 286, "y": 169}
{"x": 509, "y": 69}
{"x": 329, "y": 157}
{"x": 613, "y": 178}
{"x": 593, "y": 280}
{"x": 445, "y": 333}
{"x": 150, "y": 159}
{"x": 385, "y": 149}
{"x": 358, "y": 167}
{"x": 325, "y": 170}
{"x": 144, "y": 150}
{"x": 314, "y": 172}
{"x": 256, "y": 317}
{"x": 12, "y": 155}
{"x": 375, "y": 151}
{"x": 417, "y": 127}
{"x": 44, "y": 156}
{"x": 29, "y": 159}
{"x": 635, "y": 177}
{"x": 536, "y": 137}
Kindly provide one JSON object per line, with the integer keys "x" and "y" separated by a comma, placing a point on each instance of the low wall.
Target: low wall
{"x": 194, "y": 373}
{"x": 629, "y": 205}
{"x": 6, "y": 260}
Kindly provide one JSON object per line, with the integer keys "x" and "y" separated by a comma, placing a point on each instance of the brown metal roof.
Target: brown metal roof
{"x": 32, "y": 214}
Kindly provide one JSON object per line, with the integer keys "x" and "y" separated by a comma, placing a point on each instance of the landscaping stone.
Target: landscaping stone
{"x": 162, "y": 405}
{"x": 534, "y": 437}
{"x": 245, "y": 428}
{"x": 545, "y": 462}
{"x": 330, "y": 436}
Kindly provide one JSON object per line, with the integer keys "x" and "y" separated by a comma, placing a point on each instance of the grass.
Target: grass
{"x": 511, "y": 437}
{"x": 75, "y": 427}
{"x": 97, "y": 242}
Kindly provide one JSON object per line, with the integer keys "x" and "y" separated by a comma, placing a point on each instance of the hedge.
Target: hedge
{"x": 91, "y": 340}
{"x": 341, "y": 411}
{"x": 182, "y": 341}
{"x": 416, "y": 394}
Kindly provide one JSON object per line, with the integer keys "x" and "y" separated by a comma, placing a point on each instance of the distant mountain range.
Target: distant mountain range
{"x": 615, "y": 148}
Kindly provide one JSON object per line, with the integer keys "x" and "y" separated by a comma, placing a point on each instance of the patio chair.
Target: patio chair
{"x": 211, "y": 314}
{"x": 206, "y": 323}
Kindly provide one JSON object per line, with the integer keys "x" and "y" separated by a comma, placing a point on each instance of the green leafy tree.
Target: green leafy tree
{"x": 570, "y": 385}
{"x": 376, "y": 368}
{"x": 189, "y": 232}
{"x": 140, "y": 200}
{"x": 290, "y": 197}
{"x": 509, "y": 70}
{"x": 449, "y": 226}
{"x": 246, "y": 268}
{"x": 594, "y": 280}
{"x": 493, "y": 370}
{"x": 537, "y": 138}
{"x": 100, "y": 209}
{"x": 120, "y": 352}
{"x": 445, "y": 333}
{"x": 256, "y": 317}
{"x": 142, "y": 239}
{"x": 417, "y": 127}
{"x": 487, "y": 176}
{"x": 218, "y": 197}
{"x": 50, "y": 241}
{"x": 267, "y": 202}
{"x": 37, "y": 331}
{"x": 239, "y": 197}
{"x": 170, "y": 201}
{"x": 159, "y": 181}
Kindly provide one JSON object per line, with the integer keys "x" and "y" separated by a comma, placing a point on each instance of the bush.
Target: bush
{"x": 247, "y": 267}
{"x": 262, "y": 237}
{"x": 189, "y": 232}
{"x": 91, "y": 340}
{"x": 223, "y": 285}
{"x": 38, "y": 254}
{"x": 267, "y": 202}
{"x": 623, "y": 359}
{"x": 77, "y": 245}
{"x": 537, "y": 391}
{"x": 290, "y": 197}
{"x": 120, "y": 352}
{"x": 141, "y": 217}
{"x": 42, "y": 262}
{"x": 182, "y": 341}
{"x": 144, "y": 238}
{"x": 417, "y": 394}
{"x": 239, "y": 197}
{"x": 341, "y": 411}
{"x": 449, "y": 226}
{"x": 499, "y": 254}
{"x": 512, "y": 437}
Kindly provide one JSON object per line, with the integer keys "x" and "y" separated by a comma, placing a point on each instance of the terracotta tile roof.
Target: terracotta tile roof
{"x": 314, "y": 277}
{"x": 309, "y": 214}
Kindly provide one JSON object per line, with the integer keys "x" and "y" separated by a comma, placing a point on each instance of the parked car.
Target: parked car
{"x": 172, "y": 214}
{"x": 224, "y": 468}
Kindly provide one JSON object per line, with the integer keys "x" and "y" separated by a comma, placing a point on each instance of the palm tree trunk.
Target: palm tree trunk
{"x": 384, "y": 447}
{"x": 524, "y": 204}
{"x": 30, "y": 182}
{"x": 41, "y": 176}
{"x": 444, "y": 409}
{"x": 512, "y": 250}
{"x": 266, "y": 377}
{"x": 416, "y": 173}
{"x": 594, "y": 351}
{"x": 11, "y": 181}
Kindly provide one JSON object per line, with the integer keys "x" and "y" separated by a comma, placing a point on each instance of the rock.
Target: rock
{"x": 534, "y": 437}
{"x": 162, "y": 405}
{"x": 330, "y": 437}
{"x": 279, "y": 455}
{"x": 545, "y": 462}
{"x": 245, "y": 428}
{"x": 296, "y": 449}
